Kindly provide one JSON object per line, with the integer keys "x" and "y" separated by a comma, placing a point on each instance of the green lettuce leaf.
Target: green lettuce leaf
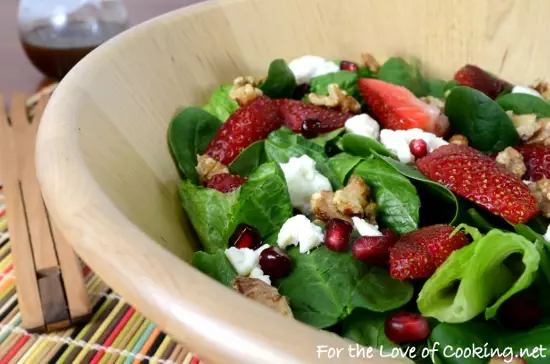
{"x": 280, "y": 81}
{"x": 345, "y": 79}
{"x": 220, "y": 104}
{"x": 215, "y": 265}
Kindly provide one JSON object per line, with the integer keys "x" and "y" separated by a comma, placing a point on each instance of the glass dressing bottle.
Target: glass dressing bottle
{"x": 57, "y": 34}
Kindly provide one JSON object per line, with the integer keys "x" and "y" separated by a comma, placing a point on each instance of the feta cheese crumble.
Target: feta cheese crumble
{"x": 303, "y": 180}
{"x": 243, "y": 260}
{"x": 397, "y": 141}
{"x": 364, "y": 228}
{"x": 525, "y": 90}
{"x": 547, "y": 235}
{"x": 298, "y": 230}
{"x": 307, "y": 67}
{"x": 364, "y": 125}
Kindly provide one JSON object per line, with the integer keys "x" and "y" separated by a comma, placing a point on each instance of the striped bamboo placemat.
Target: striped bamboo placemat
{"x": 116, "y": 334}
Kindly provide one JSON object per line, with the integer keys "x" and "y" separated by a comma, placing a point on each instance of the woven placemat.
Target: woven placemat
{"x": 117, "y": 333}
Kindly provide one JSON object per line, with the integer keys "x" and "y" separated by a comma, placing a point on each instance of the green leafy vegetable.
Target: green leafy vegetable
{"x": 280, "y": 81}
{"x": 397, "y": 71}
{"x": 189, "y": 133}
{"x": 220, "y": 104}
{"x": 210, "y": 213}
{"x": 215, "y": 265}
{"x": 473, "y": 114}
{"x": 323, "y": 139}
{"x": 325, "y": 286}
{"x": 367, "y": 328}
{"x": 345, "y": 79}
{"x": 365, "y": 72}
{"x": 475, "y": 276}
{"x": 396, "y": 198}
{"x": 525, "y": 104}
{"x": 342, "y": 164}
{"x": 541, "y": 245}
{"x": 363, "y": 146}
{"x": 479, "y": 221}
{"x": 436, "y": 87}
{"x": 249, "y": 159}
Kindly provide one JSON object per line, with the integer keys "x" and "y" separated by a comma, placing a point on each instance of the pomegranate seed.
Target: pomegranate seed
{"x": 418, "y": 147}
{"x": 349, "y": 66}
{"x": 275, "y": 262}
{"x": 300, "y": 91}
{"x": 311, "y": 128}
{"x": 406, "y": 327}
{"x": 374, "y": 249}
{"x": 246, "y": 236}
{"x": 520, "y": 312}
{"x": 337, "y": 234}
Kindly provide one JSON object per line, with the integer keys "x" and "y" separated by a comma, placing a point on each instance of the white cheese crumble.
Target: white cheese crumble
{"x": 525, "y": 90}
{"x": 364, "y": 125}
{"x": 261, "y": 249}
{"x": 298, "y": 230}
{"x": 258, "y": 273}
{"x": 307, "y": 67}
{"x": 397, "y": 141}
{"x": 303, "y": 180}
{"x": 364, "y": 228}
{"x": 243, "y": 260}
{"x": 528, "y": 182}
{"x": 547, "y": 235}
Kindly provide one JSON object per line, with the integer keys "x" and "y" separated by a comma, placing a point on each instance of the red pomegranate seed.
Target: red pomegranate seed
{"x": 374, "y": 249}
{"x": 520, "y": 312}
{"x": 406, "y": 327}
{"x": 418, "y": 147}
{"x": 349, "y": 66}
{"x": 311, "y": 128}
{"x": 275, "y": 262}
{"x": 337, "y": 234}
{"x": 246, "y": 236}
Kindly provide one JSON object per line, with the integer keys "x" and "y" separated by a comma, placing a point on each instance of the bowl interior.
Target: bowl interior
{"x": 103, "y": 160}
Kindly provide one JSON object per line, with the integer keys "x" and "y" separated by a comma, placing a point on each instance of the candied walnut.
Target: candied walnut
{"x": 542, "y": 136}
{"x": 526, "y": 124}
{"x": 458, "y": 139}
{"x": 352, "y": 199}
{"x": 337, "y": 99}
{"x": 208, "y": 167}
{"x": 507, "y": 360}
{"x": 513, "y": 161}
{"x": 263, "y": 293}
{"x": 370, "y": 213}
{"x": 370, "y": 62}
{"x": 434, "y": 101}
{"x": 245, "y": 90}
{"x": 541, "y": 192}
{"x": 542, "y": 88}
{"x": 324, "y": 209}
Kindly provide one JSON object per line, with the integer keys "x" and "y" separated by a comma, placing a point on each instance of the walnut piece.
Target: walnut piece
{"x": 434, "y": 101}
{"x": 526, "y": 124}
{"x": 245, "y": 89}
{"x": 324, "y": 209}
{"x": 542, "y": 88}
{"x": 208, "y": 167}
{"x": 458, "y": 139}
{"x": 513, "y": 161}
{"x": 541, "y": 192}
{"x": 542, "y": 136}
{"x": 263, "y": 293}
{"x": 508, "y": 360}
{"x": 370, "y": 62}
{"x": 337, "y": 99}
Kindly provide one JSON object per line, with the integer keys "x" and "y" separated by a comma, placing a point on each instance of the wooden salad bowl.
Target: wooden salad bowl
{"x": 109, "y": 181}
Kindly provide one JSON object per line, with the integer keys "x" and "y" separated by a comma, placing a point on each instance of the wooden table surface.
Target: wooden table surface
{"x": 17, "y": 74}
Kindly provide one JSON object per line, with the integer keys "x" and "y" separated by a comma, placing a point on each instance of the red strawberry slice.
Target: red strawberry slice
{"x": 537, "y": 160}
{"x": 419, "y": 253}
{"x": 225, "y": 182}
{"x": 248, "y": 124}
{"x": 397, "y": 108}
{"x": 296, "y": 114}
{"x": 475, "y": 77}
{"x": 478, "y": 178}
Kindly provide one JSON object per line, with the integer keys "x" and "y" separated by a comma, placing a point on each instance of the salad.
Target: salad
{"x": 391, "y": 208}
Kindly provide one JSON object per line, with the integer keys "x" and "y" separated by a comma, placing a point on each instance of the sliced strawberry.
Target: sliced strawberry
{"x": 475, "y": 77}
{"x": 225, "y": 182}
{"x": 419, "y": 253}
{"x": 298, "y": 116}
{"x": 248, "y": 124}
{"x": 478, "y": 178}
{"x": 397, "y": 108}
{"x": 537, "y": 160}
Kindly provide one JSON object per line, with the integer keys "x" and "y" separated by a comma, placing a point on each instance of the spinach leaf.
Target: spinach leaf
{"x": 479, "y": 221}
{"x": 220, "y": 104}
{"x": 436, "y": 87}
{"x": 345, "y": 79}
{"x": 342, "y": 164}
{"x": 473, "y": 114}
{"x": 264, "y": 201}
{"x": 189, "y": 133}
{"x": 215, "y": 265}
{"x": 325, "y": 286}
{"x": 434, "y": 196}
{"x": 363, "y": 146}
{"x": 282, "y": 144}
{"x": 396, "y": 198}
{"x": 476, "y": 275}
{"x": 397, "y": 71}
{"x": 323, "y": 139}
{"x": 365, "y": 72}
{"x": 209, "y": 211}
{"x": 280, "y": 82}
{"x": 367, "y": 328}
{"x": 249, "y": 159}
{"x": 525, "y": 104}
